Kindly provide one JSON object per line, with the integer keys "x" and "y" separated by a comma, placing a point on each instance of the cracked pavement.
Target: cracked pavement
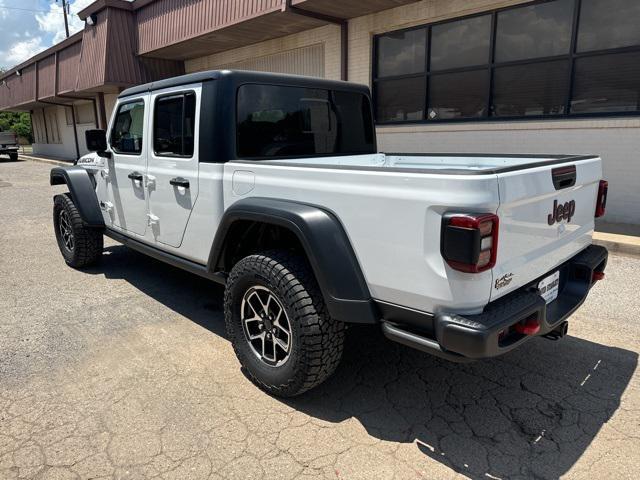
{"x": 123, "y": 371}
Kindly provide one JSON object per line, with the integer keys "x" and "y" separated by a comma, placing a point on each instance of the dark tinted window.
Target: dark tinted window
{"x": 458, "y": 95}
{"x": 462, "y": 43}
{"x": 608, "y": 24}
{"x": 537, "y": 89}
{"x": 126, "y": 134}
{"x": 541, "y": 30}
{"x": 281, "y": 121}
{"x": 401, "y": 53}
{"x": 401, "y": 100}
{"x": 607, "y": 83}
{"x": 173, "y": 125}
{"x": 549, "y": 58}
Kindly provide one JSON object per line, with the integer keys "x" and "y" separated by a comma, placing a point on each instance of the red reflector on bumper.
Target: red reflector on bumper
{"x": 528, "y": 327}
{"x": 597, "y": 276}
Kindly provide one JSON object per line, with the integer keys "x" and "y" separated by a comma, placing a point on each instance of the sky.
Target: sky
{"x": 30, "y": 26}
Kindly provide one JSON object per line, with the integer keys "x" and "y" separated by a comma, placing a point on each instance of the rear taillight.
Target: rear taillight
{"x": 469, "y": 242}
{"x": 601, "y": 203}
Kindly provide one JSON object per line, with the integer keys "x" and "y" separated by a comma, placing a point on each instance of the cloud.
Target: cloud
{"x": 53, "y": 21}
{"x": 21, "y": 50}
{"x": 25, "y": 33}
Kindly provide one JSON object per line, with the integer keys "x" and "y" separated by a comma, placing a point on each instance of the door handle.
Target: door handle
{"x": 179, "y": 182}
{"x": 135, "y": 176}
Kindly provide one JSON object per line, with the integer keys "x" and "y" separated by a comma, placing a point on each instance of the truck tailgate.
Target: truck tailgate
{"x": 543, "y": 222}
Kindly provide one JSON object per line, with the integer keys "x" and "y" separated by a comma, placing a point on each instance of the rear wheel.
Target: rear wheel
{"x": 13, "y": 157}
{"x": 80, "y": 246}
{"x": 278, "y": 324}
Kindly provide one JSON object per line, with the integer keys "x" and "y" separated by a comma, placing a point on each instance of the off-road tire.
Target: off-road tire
{"x": 317, "y": 339}
{"x": 87, "y": 242}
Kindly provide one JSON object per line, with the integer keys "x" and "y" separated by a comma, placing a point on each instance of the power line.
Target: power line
{"x": 2, "y": 7}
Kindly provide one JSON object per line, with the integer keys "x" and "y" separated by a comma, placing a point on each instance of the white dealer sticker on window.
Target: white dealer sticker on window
{"x": 549, "y": 287}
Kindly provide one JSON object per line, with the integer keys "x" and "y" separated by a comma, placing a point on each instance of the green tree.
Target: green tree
{"x": 17, "y": 122}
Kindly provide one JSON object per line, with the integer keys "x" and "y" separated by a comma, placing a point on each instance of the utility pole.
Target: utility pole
{"x": 64, "y": 12}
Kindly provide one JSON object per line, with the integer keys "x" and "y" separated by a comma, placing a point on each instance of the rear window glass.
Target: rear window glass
{"x": 280, "y": 121}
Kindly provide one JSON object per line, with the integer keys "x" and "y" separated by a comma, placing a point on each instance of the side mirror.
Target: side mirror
{"x": 97, "y": 142}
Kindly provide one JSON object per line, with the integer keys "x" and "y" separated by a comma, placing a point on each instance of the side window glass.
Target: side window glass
{"x": 174, "y": 125}
{"x": 126, "y": 134}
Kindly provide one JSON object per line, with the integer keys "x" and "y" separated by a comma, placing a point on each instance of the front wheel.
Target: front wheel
{"x": 278, "y": 323}
{"x": 80, "y": 246}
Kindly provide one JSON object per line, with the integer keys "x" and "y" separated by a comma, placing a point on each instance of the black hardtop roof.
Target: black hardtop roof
{"x": 239, "y": 77}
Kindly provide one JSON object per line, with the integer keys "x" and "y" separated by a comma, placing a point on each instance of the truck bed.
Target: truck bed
{"x": 442, "y": 163}
{"x": 392, "y": 206}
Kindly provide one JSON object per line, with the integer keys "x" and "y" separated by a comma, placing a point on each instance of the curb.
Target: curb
{"x": 49, "y": 161}
{"x": 623, "y": 244}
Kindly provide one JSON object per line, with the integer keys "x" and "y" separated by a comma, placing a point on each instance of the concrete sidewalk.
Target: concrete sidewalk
{"x": 623, "y": 244}
{"x": 49, "y": 160}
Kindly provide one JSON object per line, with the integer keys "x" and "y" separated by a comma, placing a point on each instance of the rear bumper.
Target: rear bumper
{"x": 492, "y": 333}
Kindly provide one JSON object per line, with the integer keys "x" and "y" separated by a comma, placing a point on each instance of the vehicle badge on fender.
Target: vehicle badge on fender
{"x": 503, "y": 281}
{"x": 561, "y": 212}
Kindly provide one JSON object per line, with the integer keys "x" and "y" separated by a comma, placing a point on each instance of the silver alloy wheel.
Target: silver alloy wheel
{"x": 266, "y": 325}
{"x": 66, "y": 232}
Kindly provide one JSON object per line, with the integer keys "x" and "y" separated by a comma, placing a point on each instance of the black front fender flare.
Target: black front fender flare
{"x": 325, "y": 243}
{"x": 82, "y": 193}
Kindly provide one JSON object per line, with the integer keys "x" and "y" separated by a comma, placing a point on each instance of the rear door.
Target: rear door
{"x": 546, "y": 217}
{"x": 172, "y": 172}
{"x": 128, "y": 164}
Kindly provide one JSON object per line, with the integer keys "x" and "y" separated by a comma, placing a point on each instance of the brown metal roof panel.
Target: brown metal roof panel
{"x": 17, "y": 91}
{"x": 47, "y": 77}
{"x": 123, "y": 66}
{"x": 165, "y": 22}
{"x": 92, "y": 63}
{"x": 68, "y": 62}
{"x": 247, "y": 32}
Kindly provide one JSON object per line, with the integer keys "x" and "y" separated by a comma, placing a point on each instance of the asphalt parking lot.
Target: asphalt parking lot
{"x": 123, "y": 371}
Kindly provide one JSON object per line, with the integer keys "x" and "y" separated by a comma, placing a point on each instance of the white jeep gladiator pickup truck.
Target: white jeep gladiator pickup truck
{"x": 272, "y": 185}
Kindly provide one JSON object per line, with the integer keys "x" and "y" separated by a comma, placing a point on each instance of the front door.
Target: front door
{"x": 127, "y": 166}
{"x": 172, "y": 171}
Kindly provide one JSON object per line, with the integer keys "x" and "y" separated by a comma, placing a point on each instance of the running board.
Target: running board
{"x": 173, "y": 260}
{"x": 410, "y": 339}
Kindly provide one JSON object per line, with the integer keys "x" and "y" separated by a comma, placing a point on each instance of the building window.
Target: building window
{"x": 51, "y": 125}
{"x": 546, "y": 59}
{"x": 37, "y": 124}
{"x": 173, "y": 125}
{"x": 84, "y": 114}
{"x": 128, "y": 127}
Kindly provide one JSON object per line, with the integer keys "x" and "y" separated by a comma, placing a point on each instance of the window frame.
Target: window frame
{"x": 177, "y": 93}
{"x": 571, "y": 57}
{"x": 119, "y": 106}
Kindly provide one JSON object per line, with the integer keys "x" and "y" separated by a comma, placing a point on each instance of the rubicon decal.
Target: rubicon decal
{"x": 561, "y": 212}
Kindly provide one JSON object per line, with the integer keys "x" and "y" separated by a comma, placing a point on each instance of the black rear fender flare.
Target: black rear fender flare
{"x": 82, "y": 192}
{"x": 325, "y": 244}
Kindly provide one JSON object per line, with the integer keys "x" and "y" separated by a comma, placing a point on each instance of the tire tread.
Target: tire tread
{"x": 322, "y": 337}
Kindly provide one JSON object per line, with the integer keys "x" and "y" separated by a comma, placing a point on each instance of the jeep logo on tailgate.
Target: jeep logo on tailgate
{"x": 561, "y": 212}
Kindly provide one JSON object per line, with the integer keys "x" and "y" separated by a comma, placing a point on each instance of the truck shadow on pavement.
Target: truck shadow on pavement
{"x": 531, "y": 413}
